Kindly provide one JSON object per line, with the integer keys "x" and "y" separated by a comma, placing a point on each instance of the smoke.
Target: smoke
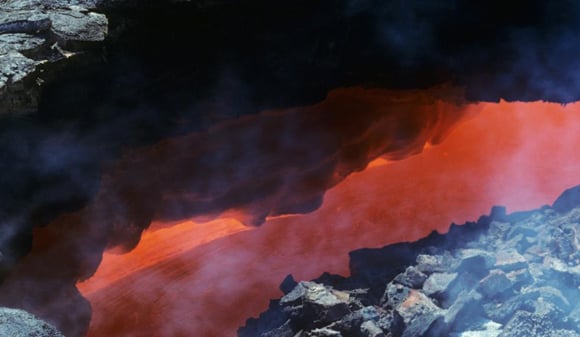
{"x": 278, "y": 162}
{"x": 525, "y": 51}
{"x": 270, "y": 164}
{"x": 538, "y": 68}
{"x": 546, "y": 136}
{"x": 407, "y": 30}
{"x": 160, "y": 104}
{"x": 212, "y": 287}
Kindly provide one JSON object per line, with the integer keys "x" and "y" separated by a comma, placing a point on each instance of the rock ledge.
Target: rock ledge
{"x": 35, "y": 34}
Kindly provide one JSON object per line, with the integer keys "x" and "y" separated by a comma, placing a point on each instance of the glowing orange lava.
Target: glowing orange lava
{"x": 206, "y": 279}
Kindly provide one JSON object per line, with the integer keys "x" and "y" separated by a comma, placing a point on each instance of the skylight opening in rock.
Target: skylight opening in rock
{"x": 521, "y": 155}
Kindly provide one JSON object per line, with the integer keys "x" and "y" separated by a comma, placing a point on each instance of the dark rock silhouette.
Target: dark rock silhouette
{"x": 569, "y": 200}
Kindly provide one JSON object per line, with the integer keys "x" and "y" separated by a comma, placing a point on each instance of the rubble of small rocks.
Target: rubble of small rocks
{"x": 510, "y": 275}
{"x": 19, "y": 323}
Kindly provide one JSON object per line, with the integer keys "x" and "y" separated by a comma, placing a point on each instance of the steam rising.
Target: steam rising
{"x": 274, "y": 163}
{"x": 507, "y": 154}
{"x": 253, "y": 167}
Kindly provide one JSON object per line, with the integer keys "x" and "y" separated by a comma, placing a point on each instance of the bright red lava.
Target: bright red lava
{"x": 207, "y": 279}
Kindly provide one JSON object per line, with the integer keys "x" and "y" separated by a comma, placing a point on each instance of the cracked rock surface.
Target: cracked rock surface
{"x": 35, "y": 34}
{"x": 504, "y": 276}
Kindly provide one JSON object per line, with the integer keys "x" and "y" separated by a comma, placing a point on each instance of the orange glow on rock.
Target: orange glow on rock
{"x": 207, "y": 279}
{"x": 157, "y": 246}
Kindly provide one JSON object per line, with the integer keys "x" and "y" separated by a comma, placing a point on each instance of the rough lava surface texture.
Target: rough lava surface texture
{"x": 19, "y": 323}
{"x": 34, "y": 33}
{"x": 169, "y": 130}
{"x": 504, "y": 275}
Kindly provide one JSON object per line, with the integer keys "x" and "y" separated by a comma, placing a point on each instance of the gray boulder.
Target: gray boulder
{"x": 320, "y": 304}
{"x": 412, "y": 278}
{"x": 509, "y": 260}
{"x": 516, "y": 279}
{"x": 417, "y": 310}
{"x": 442, "y": 286}
{"x": 495, "y": 283}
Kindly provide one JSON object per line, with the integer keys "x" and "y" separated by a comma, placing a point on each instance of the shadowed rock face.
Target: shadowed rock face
{"x": 169, "y": 72}
{"x": 568, "y": 200}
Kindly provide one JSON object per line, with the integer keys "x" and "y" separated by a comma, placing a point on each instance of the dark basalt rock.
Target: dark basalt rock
{"x": 35, "y": 37}
{"x": 501, "y": 311}
{"x": 412, "y": 277}
{"x": 481, "y": 286}
{"x": 495, "y": 283}
{"x": 288, "y": 284}
{"x": 26, "y": 26}
{"x": 569, "y": 200}
{"x": 417, "y": 310}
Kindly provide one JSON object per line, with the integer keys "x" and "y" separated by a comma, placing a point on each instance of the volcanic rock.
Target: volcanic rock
{"x": 433, "y": 263}
{"x": 39, "y": 33}
{"x": 320, "y": 304}
{"x": 501, "y": 311}
{"x": 476, "y": 261}
{"x": 417, "y": 310}
{"x": 323, "y": 332}
{"x": 525, "y": 324}
{"x": 574, "y": 318}
{"x": 519, "y": 277}
{"x": 486, "y": 329}
{"x": 288, "y": 284}
{"x": 494, "y": 283}
{"x": 439, "y": 284}
{"x": 369, "y": 329}
{"x": 568, "y": 200}
{"x": 549, "y": 294}
{"x": 19, "y": 323}
{"x": 412, "y": 278}
{"x": 35, "y": 35}
{"x": 284, "y": 330}
{"x": 509, "y": 260}
{"x": 487, "y": 286}
{"x": 468, "y": 304}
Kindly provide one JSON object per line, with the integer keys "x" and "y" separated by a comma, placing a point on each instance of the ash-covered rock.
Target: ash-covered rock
{"x": 504, "y": 276}
{"x": 19, "y": 323}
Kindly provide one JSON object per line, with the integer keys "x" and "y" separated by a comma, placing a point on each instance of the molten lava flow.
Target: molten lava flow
{"x": 253, "y": 168}
{"x": 158, "y": 246}
{"x": 521, "y": 155}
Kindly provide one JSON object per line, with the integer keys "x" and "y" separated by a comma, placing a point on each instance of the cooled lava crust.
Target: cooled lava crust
{"x": 504, "y": 275}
